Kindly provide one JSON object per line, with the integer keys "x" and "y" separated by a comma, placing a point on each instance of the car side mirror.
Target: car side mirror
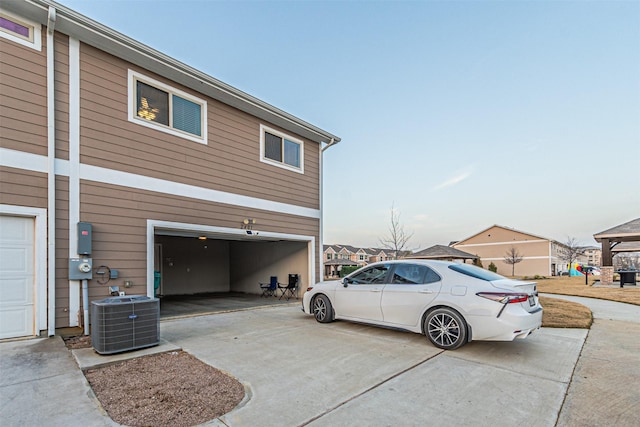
{"x": 345, "y": 282}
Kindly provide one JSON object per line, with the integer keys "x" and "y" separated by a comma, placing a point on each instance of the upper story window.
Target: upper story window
{"x": 328, "y": 256}
{"x": 20, "y": 30}
{"x": 156, "y": 105}
{"x": 281, "y": 150}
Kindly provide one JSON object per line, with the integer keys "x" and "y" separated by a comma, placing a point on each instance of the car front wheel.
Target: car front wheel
{"x": 322, "y": 310}
{"x": 445, "y": 328}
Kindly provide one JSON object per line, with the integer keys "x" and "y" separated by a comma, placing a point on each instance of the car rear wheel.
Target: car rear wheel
{"x": 445, "y": 328}
{"x": 322, "y": 310}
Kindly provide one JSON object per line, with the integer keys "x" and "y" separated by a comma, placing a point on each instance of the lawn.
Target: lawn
{"x": 559, "y": 313}
{"x": 565, "y": 314}
{"x": 575, "y": 286}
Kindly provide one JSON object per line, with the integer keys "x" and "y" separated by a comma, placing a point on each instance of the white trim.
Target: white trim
{"x": 36, "y": 31}
{"x": 284, "y": 136}
{"x": 321, "y": 225}
{"x": 22, "y": 160}
{"x": 40, "y": 255}
{"x": 74, "y": 173}
{"x": 152, "y": 225}
{"x": 133, "y": 76}
{"x": 110, "y": 176}
{"x": 37, "y": 163}
{"x": 51, "y": 172}
{"x": 512, "y": 242}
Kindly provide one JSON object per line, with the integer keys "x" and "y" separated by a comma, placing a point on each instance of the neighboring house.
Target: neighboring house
{"x": 594, "y": 256}
{"x": 443, "y": 253}
{"x": 336, "y": 256}
{"x": 178, "y": 173}
{"x": 539, "y": 255}
{"x": 376, "y": 254}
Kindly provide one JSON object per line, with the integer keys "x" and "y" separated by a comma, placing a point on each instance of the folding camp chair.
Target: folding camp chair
{"x": 289, "y": 290}
{"x": 269, "y": 289}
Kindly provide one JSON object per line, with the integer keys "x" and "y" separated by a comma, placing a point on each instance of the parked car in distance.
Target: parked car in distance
{"x": 450, "y": 303}
{"x": 594, "y": 271}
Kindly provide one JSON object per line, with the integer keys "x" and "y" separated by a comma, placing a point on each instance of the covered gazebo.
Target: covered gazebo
{"x": 612, "y": 242}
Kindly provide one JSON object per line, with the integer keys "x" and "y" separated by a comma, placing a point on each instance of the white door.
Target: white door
{"x": 17, "y": 278}
{"x": 360, "y": 298}
{"x": 412, "y": 288}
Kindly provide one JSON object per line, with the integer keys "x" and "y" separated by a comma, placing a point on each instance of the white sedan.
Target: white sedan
{"x": 450, "y": 303}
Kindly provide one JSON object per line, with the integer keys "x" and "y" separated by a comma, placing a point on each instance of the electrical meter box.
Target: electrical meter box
{"x": 84, "y": 238}
{"x": 80, "y": 268}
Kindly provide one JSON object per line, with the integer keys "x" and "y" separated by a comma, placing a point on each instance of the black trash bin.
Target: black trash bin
{"x": 627, "y": 277}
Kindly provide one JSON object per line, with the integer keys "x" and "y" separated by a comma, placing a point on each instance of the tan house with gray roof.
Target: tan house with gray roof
{"x": 180, "y": 175}
{"x": 540, "y": 255}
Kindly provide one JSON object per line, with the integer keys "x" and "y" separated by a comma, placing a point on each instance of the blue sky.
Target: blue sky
{"x": 462, "y": 114}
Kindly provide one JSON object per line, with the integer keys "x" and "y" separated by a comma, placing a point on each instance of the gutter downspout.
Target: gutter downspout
{"x": 321, "y": 250}
{"x": 51, "y": 173}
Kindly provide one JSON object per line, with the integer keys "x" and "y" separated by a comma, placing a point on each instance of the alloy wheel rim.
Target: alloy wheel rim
{"x": 320, "y": 309}
{"x": 444, "y": 329}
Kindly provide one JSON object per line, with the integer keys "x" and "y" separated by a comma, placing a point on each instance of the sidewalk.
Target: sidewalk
{"x": 605, "y": 388}
{"x": 40, "y": 384}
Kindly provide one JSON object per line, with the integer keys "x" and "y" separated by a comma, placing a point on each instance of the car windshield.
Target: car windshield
{"x": 477, "y": 272}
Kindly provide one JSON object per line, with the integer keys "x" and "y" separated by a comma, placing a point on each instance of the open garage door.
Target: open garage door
{"x": 211, "y": 264}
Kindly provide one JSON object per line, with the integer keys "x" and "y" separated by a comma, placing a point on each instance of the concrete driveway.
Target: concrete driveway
{"x": 299, "y": 372}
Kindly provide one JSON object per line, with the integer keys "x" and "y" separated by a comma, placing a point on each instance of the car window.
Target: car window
{"x": 477, "y": 272}
{"x": 413, "y": 274}
{"x": 431, "y": 276}
{"x": 370, "y": 276}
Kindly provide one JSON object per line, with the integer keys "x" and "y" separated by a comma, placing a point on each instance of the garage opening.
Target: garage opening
{"x": 199, "y": 272}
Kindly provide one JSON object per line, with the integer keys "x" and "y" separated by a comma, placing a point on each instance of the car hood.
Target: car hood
{"x": 328, "y": 284}
{"x": 515, "y": 285}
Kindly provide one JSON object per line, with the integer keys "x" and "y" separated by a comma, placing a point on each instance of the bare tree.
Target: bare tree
{"x": 570, "y": 251}
{"x": 512, "y": 257}
{"x": 397, "y": 238}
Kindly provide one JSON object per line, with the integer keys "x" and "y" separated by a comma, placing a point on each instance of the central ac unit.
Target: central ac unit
{"x": 125, "y": 323}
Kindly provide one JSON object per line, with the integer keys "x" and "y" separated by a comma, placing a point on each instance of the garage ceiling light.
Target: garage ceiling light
{"x": 202, "y": 237}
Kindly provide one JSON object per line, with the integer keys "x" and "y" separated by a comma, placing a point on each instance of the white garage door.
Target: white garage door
{"x": 16, "y": 276}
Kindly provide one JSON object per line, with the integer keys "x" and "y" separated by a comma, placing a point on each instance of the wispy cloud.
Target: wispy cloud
{"x": 456, "y": 179}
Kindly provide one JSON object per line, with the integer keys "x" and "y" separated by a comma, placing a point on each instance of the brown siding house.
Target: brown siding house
{"x": 539, "y": 254}
{"x": 181, "y": 176}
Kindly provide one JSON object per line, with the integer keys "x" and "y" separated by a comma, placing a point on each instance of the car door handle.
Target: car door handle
{"x": 375, "y": 290}
{"x": 426, "y": 291}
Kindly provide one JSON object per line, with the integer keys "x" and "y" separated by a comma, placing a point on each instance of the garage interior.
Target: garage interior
{"x": 200, "y": 273}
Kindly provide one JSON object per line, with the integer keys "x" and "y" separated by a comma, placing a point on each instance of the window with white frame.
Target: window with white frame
{"x": 328, "y": 256}
{"x": 159, "y": 106}
{"x": 20, "y": 30}
{"x": 281, "y": 150}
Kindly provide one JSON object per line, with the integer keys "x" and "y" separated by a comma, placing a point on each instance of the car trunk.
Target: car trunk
{"x": 529, "y": 288}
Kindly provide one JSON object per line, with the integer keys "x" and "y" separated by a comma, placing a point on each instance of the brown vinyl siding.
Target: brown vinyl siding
{"x": 229, "y": 162}
{"x": 62, "y": 252}
{"x": 119, "y": 217}
{"x": 23, "y": 101}
{"x": 62, "y": 95}
{"x": 21, "y": 187}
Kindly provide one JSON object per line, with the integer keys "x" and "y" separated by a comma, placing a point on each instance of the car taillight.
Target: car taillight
{"x": 504, "y": 297}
